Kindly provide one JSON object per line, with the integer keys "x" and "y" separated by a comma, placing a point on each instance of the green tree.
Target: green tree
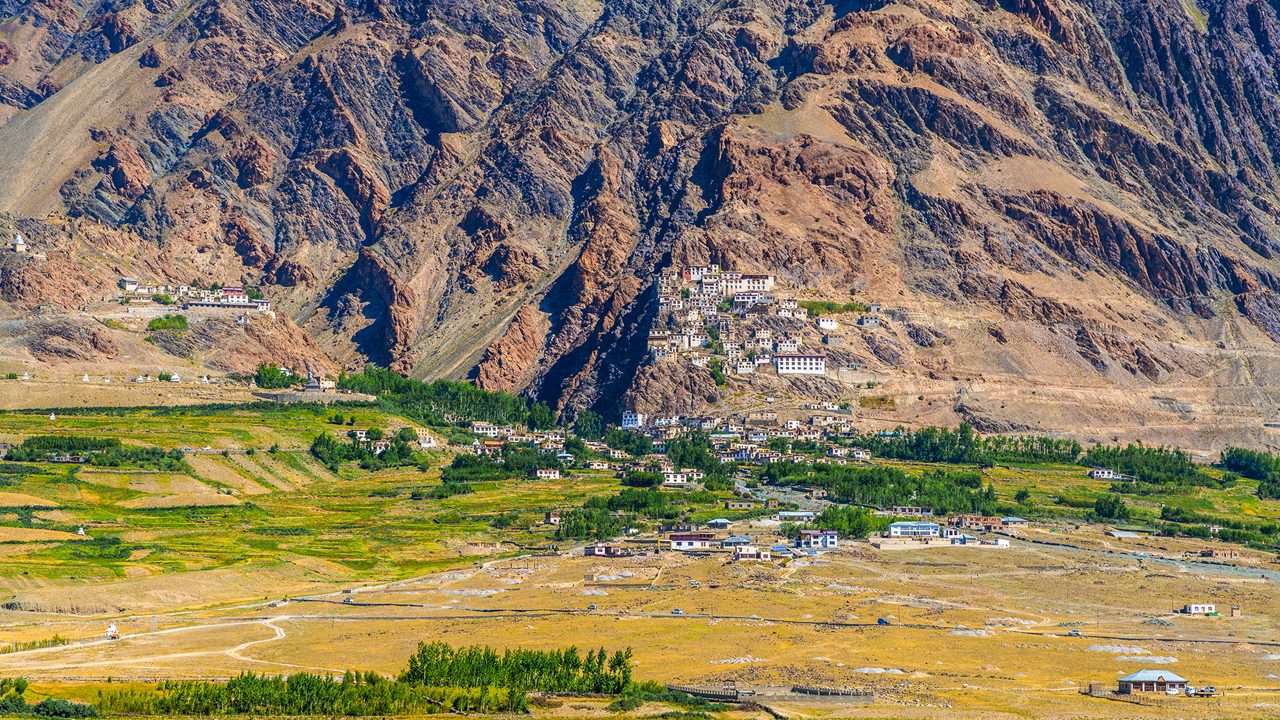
{"x": 272, "y": 377}
{"x": 541, "y": 417}
{"x": 1112, "y": 507}
{"x": 589, "y": 424}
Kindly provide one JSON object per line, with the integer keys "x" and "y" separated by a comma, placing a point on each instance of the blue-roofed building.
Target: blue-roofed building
{"x": 718, "y": 523}
{"x": 1157, "y": 681}
{"x": 736, "y": 541}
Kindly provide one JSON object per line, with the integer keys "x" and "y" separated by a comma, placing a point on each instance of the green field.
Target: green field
{"x": 252, "y": 494}
{"x": 235, "y": 508}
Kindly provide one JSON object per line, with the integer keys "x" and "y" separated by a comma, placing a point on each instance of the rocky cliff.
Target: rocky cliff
{"x": 1075, "y": 193}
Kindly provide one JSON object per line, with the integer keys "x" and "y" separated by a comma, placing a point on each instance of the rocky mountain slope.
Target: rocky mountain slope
{"x": 1070, "y": 197}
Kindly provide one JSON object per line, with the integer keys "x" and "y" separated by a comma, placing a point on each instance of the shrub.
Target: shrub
{"x": 1112, "y": 507}
{"x": 55, "y": 708}
{"x": 168, "y": 322}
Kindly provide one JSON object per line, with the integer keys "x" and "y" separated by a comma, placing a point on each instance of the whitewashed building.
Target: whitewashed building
{"x": 798, "y": 364}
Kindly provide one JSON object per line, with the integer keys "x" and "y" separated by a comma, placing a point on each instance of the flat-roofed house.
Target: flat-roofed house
{"x": 818, "y": 539}
{"x": 685, "y": 542}
{"x": 914, "y": 528}
{"x": 800, "y": 364}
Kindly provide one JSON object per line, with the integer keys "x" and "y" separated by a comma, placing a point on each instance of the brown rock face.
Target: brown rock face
{"x": 254, "y": 162}
{"x": 1074, "y": 191}
{"x": 508, "y": 361}
{"x": 118, "y": 33}
{"x": 63, "y": 341}
{"x": 151, "y": 58}
{"x": 123, "y": 166}
{"x": 248, "y": 243}
{"x": 357, "y": 180}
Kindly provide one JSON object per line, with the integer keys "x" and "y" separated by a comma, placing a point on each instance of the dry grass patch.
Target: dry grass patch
{"x": 181, "y": 500}
{"x": 11, "y": 500}
{"x": 14, "y": 534}
{"x": 259, "y": 474}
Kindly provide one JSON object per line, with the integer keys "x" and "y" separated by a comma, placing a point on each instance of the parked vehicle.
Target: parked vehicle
{"x": 593, "y": 606}
{"x": 677, "y": 611}
{"x": 1074, "y": 633}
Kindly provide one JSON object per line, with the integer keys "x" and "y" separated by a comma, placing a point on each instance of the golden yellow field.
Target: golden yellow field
{"x": 974, "y": 632}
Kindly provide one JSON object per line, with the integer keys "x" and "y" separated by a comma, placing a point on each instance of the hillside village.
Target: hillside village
{"x": 191, "y": 296}
{"x": 743, "y": 323}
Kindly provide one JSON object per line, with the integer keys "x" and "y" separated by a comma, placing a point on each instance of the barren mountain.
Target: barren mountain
{"x": 1068, "y": 207}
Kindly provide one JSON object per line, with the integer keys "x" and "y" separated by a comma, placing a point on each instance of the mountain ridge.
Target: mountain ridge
{"x": 1075, "y": 194}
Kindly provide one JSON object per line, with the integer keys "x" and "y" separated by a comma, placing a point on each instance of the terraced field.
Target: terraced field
{"x": 242, "y": 506}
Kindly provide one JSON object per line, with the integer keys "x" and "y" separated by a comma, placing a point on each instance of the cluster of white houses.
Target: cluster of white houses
{"x": 745, "y": 438}
{"x": 953, "y": 530}
{"x": 743, "y": 547}
{"x": 706, "y": 311}
{"x": 736, "y": 439}
{"x": 806, "y": 540}
{"x": 222, "y": 298}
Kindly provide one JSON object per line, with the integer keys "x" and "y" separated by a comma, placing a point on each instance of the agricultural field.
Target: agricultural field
{"x": 252, "y": 554}
{"x": 243, "y": 518}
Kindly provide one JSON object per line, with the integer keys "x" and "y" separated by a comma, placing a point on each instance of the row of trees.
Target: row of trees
{"x": 850, "y": 522}
{"x": 882, "y": 487}
{"x": 1261, "y": 466}
{"x": 446, "y": 403}
{"x": 1154, "y": 465}
{"x": 964, "y": 445}
{"x": 273, "y": 377}
{"x": 589, "y": 524}
{"x": 356, "y": 694}
{"x": 333, "y": 452}
{"x": 13, "y": 702}
{"x": 631, "y": 443}
{"x": 438, "y": 678}
{"x": 560, "y": 671}
{"x": 101, "y": 452}
{"x": 602, "y": 517}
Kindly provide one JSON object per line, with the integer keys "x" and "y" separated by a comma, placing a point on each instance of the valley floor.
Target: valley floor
{"x": 266, "y": 560}
{"x": 973, "y": 631}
